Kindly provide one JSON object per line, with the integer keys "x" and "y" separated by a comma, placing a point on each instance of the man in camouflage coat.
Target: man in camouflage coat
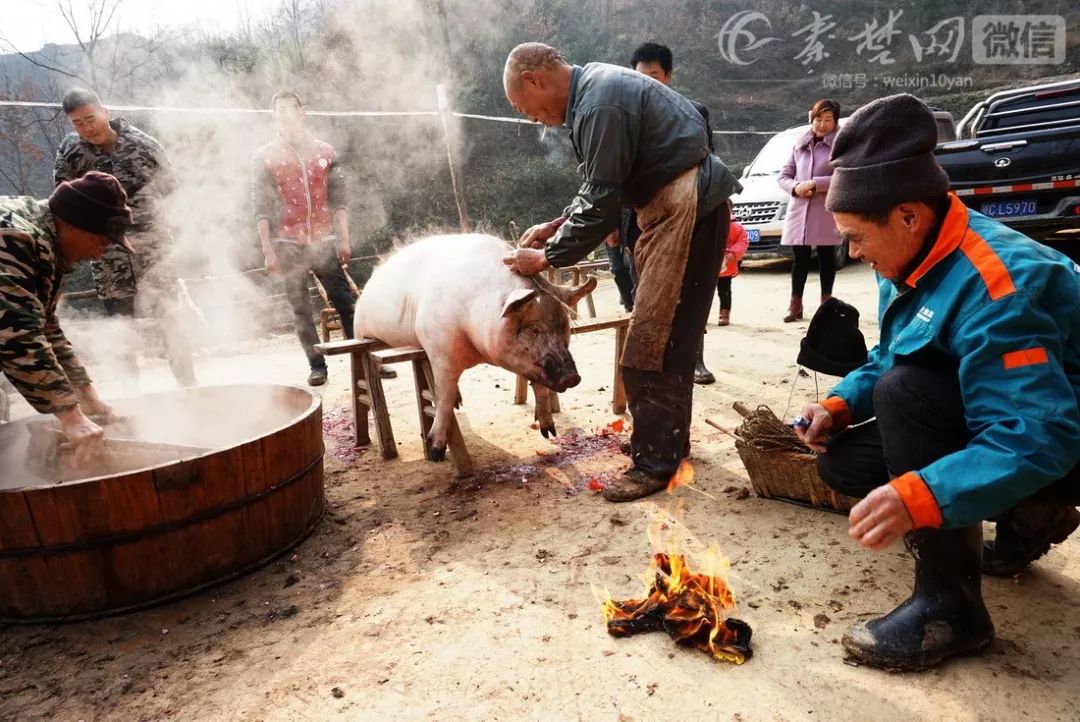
{"x": 40, "y": 242}
{"x": 148, "y": 276}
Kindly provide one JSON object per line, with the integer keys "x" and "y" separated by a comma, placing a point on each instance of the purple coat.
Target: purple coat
{"x": 807, "y": 222}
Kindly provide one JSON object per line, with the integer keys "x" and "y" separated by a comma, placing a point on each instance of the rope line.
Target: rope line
{"x": 320, "y": 113}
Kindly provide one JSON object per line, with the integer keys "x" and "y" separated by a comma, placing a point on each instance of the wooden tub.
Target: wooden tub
{"x": 112, "y": 544}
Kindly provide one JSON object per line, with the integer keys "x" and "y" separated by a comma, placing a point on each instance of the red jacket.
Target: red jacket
{"x": 303, "y": 184}
{"x": 737, "y": 242}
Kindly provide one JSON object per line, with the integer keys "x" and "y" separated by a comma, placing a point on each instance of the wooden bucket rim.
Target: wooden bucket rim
{"x": 315, "y": 404}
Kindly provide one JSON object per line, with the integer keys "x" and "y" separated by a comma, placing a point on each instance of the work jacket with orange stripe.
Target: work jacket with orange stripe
{"x": 1007, "y": 310}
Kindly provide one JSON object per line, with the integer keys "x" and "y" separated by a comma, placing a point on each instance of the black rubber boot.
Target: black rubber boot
{"x": 1025, "y": 533}
{"x": 943, "y": 617}
{"x": 702, "y": 375}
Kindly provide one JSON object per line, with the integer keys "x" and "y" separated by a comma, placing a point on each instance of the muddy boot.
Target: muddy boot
{"x": 317, "y": 377}
{"x": 725, "y": 317}
{"x": 945, "y": 614}
{"x": 702, "y": 375}
{"x": 794, "y": 310}
{"x": 1025, "y": 533}
{"x": 634, "y": 484}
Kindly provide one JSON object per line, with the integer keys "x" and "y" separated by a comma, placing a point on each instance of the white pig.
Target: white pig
{"x": 453, "y": 296}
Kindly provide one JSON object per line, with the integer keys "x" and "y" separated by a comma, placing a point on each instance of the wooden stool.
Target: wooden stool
{"x": 618, "y": 393}
{"x": 425, "y": 403}
{"x": 367, "y": 391}
{"x": 366, "y": 357}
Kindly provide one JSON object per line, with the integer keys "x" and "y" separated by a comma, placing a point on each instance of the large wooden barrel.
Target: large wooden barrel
{"x": 111, "y": 544}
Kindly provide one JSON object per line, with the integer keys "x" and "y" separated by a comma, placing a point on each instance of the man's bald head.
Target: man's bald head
{"x": 536, "y": 79}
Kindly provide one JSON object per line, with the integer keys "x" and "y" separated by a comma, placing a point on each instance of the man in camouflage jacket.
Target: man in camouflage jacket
{"x": 139, "y": 162}
{"x": 40, "y": 242}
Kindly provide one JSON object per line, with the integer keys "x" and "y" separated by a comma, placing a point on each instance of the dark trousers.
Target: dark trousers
{"x": 621, "y": 265}
{"x": 723, "y": 292}
{"x": 321, "y": 259}
{"x": 920, "y": 418}
{"x": 660, "y": 401}
{"x": 801, "y": 267}
{"x": 173, "y": 336}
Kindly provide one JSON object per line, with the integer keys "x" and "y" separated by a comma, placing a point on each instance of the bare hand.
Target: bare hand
{"x": 344, "y": 252}
{"x": 536, "y": 236}
{"x": 820, "y": 429}
{"x": 804, "y": 189}
{"x": 271, "y": 263}
{"x": 879, "y": 519}
{"x": 83, "y": 436}
{"x": 92, "y": 405}
{"x": 526, "y": 261}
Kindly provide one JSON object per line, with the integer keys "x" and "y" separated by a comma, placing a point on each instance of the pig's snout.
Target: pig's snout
{"x": 562, "y": 374}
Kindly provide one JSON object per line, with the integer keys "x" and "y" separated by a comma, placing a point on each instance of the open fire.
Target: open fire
{"x": 693, "y": 607}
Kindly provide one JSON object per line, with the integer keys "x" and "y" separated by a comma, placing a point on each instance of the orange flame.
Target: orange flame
{"x": 683, "y": 476}
{"x": 693, "y": 607}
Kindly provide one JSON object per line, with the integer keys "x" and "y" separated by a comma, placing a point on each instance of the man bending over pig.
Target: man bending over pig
{"x": 640, "y": 144}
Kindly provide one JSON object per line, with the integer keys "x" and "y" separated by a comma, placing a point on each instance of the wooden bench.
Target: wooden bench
{"x": 367, "y": 356}
{"x": 329, "y": 320}
{"x": 621, "y": 325}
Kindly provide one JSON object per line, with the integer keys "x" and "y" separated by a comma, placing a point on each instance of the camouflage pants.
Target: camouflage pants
{"x": 145, "y": 284}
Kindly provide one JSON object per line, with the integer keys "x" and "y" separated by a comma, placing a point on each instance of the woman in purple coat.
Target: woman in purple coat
{"x": 808, "y": 224}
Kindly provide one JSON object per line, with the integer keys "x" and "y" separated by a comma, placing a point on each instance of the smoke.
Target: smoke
{"x": 341, "y": 57}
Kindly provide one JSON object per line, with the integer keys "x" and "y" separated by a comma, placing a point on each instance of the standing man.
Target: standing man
{"x": 146, "y": 278}
{"x": 40, "y": 242}
{"x": 970, "y": 398}
{"x": 657, "y": 62}
{"x": 642, "y": 145}
{"x": 297, "y": 183}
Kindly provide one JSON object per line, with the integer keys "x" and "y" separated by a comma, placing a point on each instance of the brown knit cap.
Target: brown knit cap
{"x": 96, "y": 202}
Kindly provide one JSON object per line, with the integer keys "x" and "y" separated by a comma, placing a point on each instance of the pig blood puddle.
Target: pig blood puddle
{"x": 579, "y": 460}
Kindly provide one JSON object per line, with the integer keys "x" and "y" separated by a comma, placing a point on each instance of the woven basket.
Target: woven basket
{"x": 788, "y": 475}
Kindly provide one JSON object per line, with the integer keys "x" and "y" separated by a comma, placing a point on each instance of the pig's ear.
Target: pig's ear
{"x": 580, "y": 292}
{"x": 518, "y": 299}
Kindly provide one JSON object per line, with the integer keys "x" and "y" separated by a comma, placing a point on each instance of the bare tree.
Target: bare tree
{"x": 106, "y": 60}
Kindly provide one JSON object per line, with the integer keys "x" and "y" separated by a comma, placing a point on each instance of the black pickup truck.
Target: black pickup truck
{"x": 1017, "y": 159}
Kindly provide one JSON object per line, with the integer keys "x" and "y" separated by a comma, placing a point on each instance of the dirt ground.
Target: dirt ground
{"x": 423, "y": 598}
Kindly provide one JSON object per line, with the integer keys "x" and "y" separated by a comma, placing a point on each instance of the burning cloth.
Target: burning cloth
{"x": 688, "y": 606}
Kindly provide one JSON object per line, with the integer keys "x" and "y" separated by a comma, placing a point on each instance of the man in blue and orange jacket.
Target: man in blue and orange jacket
{"x": 968, "y": 407}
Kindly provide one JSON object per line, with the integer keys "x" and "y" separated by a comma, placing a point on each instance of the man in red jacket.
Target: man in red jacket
{"x": 297, "y": 182}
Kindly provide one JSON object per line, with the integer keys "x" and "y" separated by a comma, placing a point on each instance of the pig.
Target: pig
{"x": 454, "y": 297}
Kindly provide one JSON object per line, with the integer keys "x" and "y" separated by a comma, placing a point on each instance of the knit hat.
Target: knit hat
{"x": 833, "y": 344}
{"x": 884, "y": 156}
{"x": 96, "y": 202}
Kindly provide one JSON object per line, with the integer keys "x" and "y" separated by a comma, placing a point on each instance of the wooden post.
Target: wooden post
{"x": 455, "y": 180}
{"x": 618, "y": 395}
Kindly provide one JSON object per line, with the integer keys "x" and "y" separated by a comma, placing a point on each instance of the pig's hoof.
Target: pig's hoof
{"x": 437, "y": 453}
{"x": 548, "y": 431}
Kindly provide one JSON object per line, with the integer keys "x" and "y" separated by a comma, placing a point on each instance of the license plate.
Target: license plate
{"x": 1009, "y": 209}
{"x": 753, "y": 234}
